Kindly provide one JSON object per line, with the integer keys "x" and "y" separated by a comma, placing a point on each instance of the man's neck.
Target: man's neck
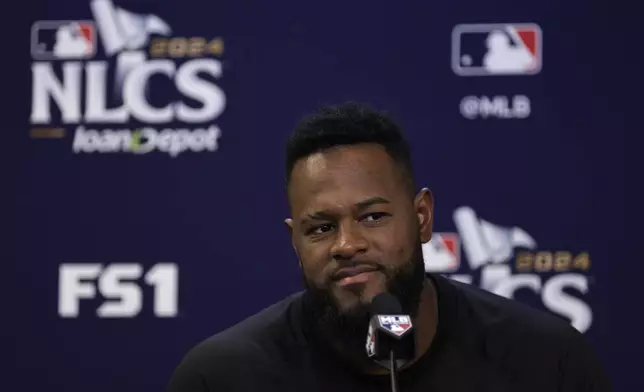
{"x": 426, "y": 321}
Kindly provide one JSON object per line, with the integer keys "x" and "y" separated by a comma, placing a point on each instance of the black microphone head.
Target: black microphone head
{"x": 390, "y": 332}
{"x": 385, "y": 303}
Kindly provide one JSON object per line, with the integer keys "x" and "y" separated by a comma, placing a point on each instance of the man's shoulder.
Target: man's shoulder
{"x": 219, "y": 361}
{"x": 521, "y": 341}
{"x": 513, "y": 322}
{"x": 250, "y": 334}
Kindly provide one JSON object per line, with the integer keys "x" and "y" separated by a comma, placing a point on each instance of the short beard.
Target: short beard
{"x": 348, "y": 330}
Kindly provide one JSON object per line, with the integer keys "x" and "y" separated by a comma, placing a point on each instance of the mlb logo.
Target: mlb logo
{"x": 63, "y": 40}
{"x": 496, "y": 49}
{"x": 442, "y": 253}
{"x": 397, "y": 325}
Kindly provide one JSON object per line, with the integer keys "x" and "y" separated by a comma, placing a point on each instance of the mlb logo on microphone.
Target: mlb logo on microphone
{"x": 397, "y": 325}
{"x": 63, "y": 40}
{"x": 496, "y": 49}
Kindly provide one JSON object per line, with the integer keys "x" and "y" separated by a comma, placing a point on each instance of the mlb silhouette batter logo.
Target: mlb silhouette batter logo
{"x": 120, "y": 30}
{"x": 63, "y": 40}
{"x": 397, "y": 325}
{"x": 442, "y": 253}
{"x": 496, "y": 49}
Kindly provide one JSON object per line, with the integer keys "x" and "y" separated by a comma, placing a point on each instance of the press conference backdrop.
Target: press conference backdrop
{"x": 155, "y": 181}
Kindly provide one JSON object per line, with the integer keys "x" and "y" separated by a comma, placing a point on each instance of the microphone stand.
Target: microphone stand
{"x": 393, "y": 372}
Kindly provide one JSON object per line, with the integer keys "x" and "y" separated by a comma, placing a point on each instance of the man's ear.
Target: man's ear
{"x": 424, "y": 206}
{"x": 289, "y": 226}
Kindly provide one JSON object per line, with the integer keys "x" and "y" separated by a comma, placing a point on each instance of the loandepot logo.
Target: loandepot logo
{"x": 507, "y": 261}
{"x": 134, "y": 99}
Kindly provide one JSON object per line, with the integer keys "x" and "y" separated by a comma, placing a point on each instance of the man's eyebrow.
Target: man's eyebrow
{"x": 361, "y": 205}
{"x": 318, "y": 215}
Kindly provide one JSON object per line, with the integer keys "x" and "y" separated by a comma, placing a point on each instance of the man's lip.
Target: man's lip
{"x": 353, "y": 271}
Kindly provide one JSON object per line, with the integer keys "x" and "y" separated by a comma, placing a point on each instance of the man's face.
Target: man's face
{"x": 356, "y": 228}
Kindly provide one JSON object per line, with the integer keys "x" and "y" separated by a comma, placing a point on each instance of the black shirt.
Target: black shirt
{"x": 483, "y": 343}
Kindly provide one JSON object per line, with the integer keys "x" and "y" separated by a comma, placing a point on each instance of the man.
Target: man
{"x": 357, "y": 226}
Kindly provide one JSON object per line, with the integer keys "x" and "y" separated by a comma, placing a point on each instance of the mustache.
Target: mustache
{"x": 354, "y": 267}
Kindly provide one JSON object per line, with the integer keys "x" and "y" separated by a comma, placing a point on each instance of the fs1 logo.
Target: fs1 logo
{"x": 119, "y": 286}
{"x": 121, "y": 103}
{"x": 493, "y": 264}
{"x": 496, "y": 49}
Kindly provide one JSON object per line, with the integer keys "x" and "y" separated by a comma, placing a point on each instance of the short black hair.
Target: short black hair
{"x": 349, "y": 124}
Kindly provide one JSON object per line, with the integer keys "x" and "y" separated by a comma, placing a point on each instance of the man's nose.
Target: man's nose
{"x": 349, "y": 242}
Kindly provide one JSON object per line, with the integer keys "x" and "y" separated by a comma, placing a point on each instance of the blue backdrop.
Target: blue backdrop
{"x": 149, "y": 214}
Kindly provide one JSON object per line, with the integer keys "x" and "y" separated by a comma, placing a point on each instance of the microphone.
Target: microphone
{"x": 390, "y": 341}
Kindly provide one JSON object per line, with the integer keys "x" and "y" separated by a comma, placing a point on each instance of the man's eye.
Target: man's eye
{"x": 376, "y": 216}
{"x": 319, "y": 229}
